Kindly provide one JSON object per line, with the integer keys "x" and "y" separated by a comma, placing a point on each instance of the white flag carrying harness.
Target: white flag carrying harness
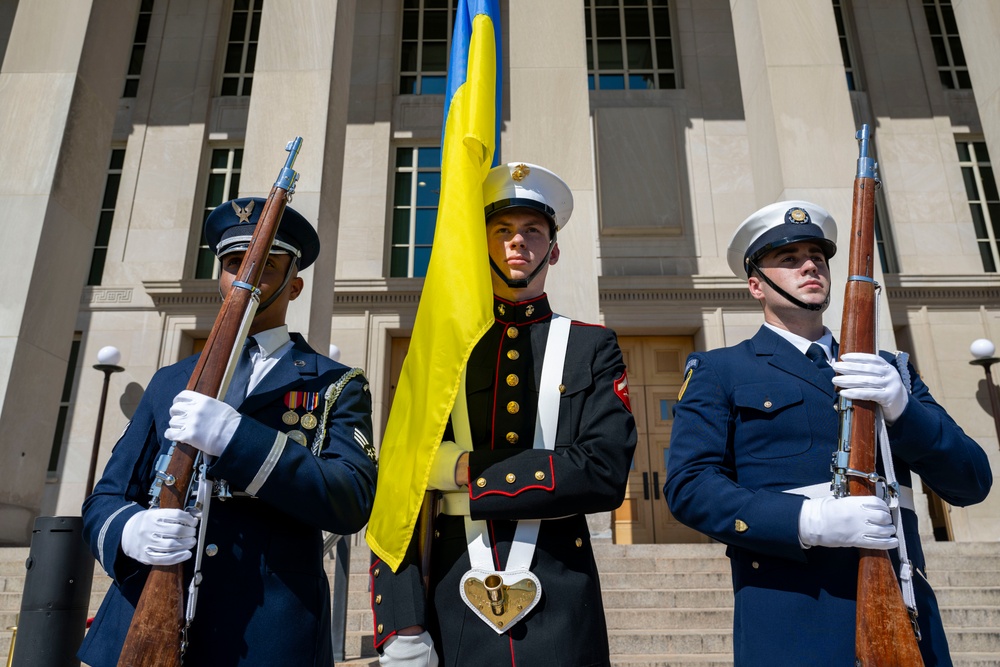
{"x": 501, "y": 598}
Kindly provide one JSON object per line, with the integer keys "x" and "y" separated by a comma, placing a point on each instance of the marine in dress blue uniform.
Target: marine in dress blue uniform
{"x": 504, "y": 479}
{"x": 264, "y": 599}
{"x": 753, "y": 434}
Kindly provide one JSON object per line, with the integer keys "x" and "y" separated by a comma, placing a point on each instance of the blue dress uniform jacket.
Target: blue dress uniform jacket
{"x": 265, "y": 598}
{"x": 757, "y": 419}
{"x": 586, "y": 472}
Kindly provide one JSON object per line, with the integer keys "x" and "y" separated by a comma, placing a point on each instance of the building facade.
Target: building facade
{"x": 123, "y": 124}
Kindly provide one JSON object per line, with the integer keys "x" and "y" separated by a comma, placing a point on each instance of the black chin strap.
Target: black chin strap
{"x": 522, "y": 283}
{"x": 808, "y": 306}
{"x": 284, "y": 284}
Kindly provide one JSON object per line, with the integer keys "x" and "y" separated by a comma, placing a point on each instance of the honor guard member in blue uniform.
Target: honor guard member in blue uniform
{"x": 295, "y": 455}
{"x": 490, "y": 494}
{"x": 753, "y": 436}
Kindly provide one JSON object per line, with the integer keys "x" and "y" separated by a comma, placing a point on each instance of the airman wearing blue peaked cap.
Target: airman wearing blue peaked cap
{"x": 230, "y": 226}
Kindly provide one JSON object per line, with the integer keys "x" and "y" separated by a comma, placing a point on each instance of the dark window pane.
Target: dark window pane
{"x": 850, "y": 81}
{"x": 428, "y": 188}
{"x": 57, "y": 441}
{"x": 111, "y": 190}
{"x": 135, "y": 60}
{"x": 400, "y": 226}
{"x": 404, "y": 157}
{"x": 238, "y": 27}
{"x": 421, "y": 257}
{"x": 247, "y": 86}
{"x": 216, "y": 193}
{"x": 940, "y": 54}
{"x": 609, "y": 55}
{"x": 978, "y": 221}
{"x": 586, "y": 24}
{"x": 590, "y": 82}
{"x": 146, "y": 6}
{"x": 640, "y": 54}
{"x": 979, "y": 148}
{"x": 963, "y": 151}
{"x": 435, "y": 4}
{"x": 241, "y": 5}
{"x": 590, "y": 56}
{"x": 661, "y": 22}
{"x": 104, "y": 228}
{"x": 946, "y": 80}
{"x": 957, "y": 54}
{"x": 989, "y": 184}
{"x": 206, "y": 263}
{"x": 398, "y": 262}
{"x": 948, "y": 17}
{"x": 668, "y": 81}
{"x": 220, "y": 159}
{"x": 230, "y": 86}
{"x": 932, "y": 20}
{"x": 664, "y": 54}
{"x": 142, "y": 27}
{"x": 411, "y": 4}
{"x": 429, "y": 157}
{"x": 424, "y": 232}
{"x": 634, "y": 3}
{"x": 606, "y": 3}
{"x": 964, "y": 81}
{"x": 641, "y": 81}
{"x": 255, "y": 27}
{"x": 607, "y": 23}
{"x": 971, "y": 191}
{"x": 435, "y": 57}
{"x": 410, "y": 25}
{"x": 234, "y": 58}
{"x": 636, "y": 23}
{"x": 97, "y": 266}
{"x": 401, "y": 193}
{"x": 237, "y": 159}
{"x": 251, "y": 60}
{"x": 407, "y": 85}
{"x": 234, "y": 186}
{"x": 131, "y": 88}
{"x": 845, "y": 55}
{"x": 117, "y": 158}
{"x": 984, "y": 251}
{"x": 408, "y": 57}
{"x": 433, "y": 85}
{"x": 612, "y": 82}
{"x": 994, "y": 209}
{"x": 436, "y": 25}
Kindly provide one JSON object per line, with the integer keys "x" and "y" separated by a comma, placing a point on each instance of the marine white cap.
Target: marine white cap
{"x": 523, "y": 184}
{"x": 779, "y": 224}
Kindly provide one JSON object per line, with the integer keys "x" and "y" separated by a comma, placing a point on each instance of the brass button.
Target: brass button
{"x": 437, "y": 533}
{"x": 562, "y": 389}
{"x": 378, "y": 599}
{"x": 481, "y": 482}
{"x": 579, "y": 542}
{"x": 512, "y": 438}
{"x": 741, "y": 526}
{"x": 512, "y": 332}
{"x": 375, "y": 573}
{"x": 512, "y": 380}
{"x": 513, "y": 407}
{"x": 380, "y": 628}
{"x": 539, "y": 475}
{"x": 767, "y": 404}
{"x": 755, "y": 565}
{"x": 211, "y": 550}
{"x": 510, "y": 478}
{"x": 513, "y": 355}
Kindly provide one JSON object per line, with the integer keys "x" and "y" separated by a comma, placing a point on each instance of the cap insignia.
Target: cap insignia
{"x": 520, "y": 172}
{"x": 797, "y": 216}
{"x": 243, "y": 213}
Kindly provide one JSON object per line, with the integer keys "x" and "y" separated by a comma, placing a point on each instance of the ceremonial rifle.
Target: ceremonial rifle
{"x": 886, "y": 634}
{"x": 156, "y": 637}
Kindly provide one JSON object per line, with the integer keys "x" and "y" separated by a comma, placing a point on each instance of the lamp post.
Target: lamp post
{"x": 107, "y": 362}
{"x": 983, "y": 350}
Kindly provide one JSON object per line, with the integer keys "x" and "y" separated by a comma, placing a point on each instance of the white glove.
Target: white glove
{"x": 202, "y": 422}
{"x": 409, "y": 651}
{"x": 160, "y": 536}
{"x": 854, "y": 521}
{"x": 869, "y": 377}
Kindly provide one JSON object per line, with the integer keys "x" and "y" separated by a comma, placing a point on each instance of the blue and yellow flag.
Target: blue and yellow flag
{"x": 456, "y": 304}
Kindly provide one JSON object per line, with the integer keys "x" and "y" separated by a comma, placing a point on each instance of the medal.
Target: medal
{"x": 291, "y": 418}
{"x": 293, "y": 399}
{"x": 309, "y": 402}
{"x": 299, "y": 437}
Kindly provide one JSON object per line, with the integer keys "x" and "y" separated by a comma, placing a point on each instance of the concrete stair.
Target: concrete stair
{"x": 665, "y": 604}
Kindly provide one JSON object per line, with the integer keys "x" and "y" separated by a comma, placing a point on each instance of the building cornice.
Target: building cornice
{"x": 942, "y": 291}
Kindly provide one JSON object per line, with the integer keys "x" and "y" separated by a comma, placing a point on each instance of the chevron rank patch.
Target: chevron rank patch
{"x": 360, "y": 438}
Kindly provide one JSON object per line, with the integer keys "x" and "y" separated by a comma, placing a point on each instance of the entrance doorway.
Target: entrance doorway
{"x": 655, "y": 375}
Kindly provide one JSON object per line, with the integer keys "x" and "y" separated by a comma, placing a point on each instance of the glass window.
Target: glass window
{"x": 223, "y": 185}
{"x": 841, "y": 14}
{"x": 138, "y": 49}
{"x": 106, "y": 216}
{"x": 414, "y": 211}
{"x": 947, "y": 45}
{"x": 984, "y": 200}
{"x": 58, "y": 440}
{"x": 630, "y": 45}
{"x": 426, "y": 42}
{"x": 241, "y": 49}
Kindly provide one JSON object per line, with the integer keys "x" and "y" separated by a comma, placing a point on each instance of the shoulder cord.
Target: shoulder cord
{"x": 332, "y": 394}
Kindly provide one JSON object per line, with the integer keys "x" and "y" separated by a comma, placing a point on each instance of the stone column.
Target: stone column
{"x": 800, "y": 125}
{"x": 978, "y": 27}
{"x": 547, "y": 122}
{"x": 60, "y": 82}
{"x": 301, "y": 88}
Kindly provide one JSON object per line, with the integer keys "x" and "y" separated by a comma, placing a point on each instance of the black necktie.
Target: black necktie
{"x": 241, "y": 376}
{"x": 818, "y": 357}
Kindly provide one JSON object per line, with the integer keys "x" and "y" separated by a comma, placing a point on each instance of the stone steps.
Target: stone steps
{"x": 665, "y": 604}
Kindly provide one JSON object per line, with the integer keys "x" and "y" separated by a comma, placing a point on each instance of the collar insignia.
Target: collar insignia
{"x": 529, "y": 310}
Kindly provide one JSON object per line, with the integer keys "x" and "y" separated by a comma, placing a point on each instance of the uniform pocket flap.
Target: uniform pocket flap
{"x": 576, "y": 377}
{"x": 768, "y": 397}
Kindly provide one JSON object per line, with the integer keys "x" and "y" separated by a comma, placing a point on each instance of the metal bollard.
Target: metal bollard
{"x": 56, "y": 595}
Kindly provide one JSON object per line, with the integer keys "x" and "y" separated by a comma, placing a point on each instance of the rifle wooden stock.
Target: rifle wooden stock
{"x": 885, "y": 636}
{"x": 154, "y": 636}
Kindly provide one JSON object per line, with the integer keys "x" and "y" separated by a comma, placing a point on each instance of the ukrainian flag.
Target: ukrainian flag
{"x": 456, "y": 304}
